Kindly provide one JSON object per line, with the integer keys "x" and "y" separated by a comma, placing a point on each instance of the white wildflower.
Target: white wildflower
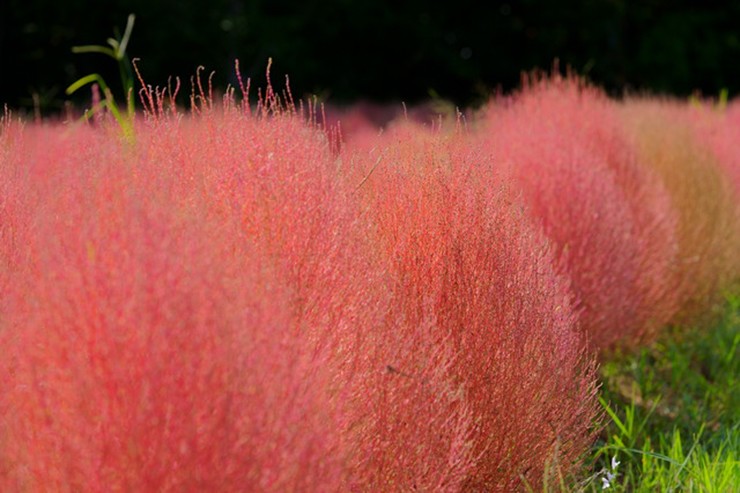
{"x": 606, "y": 481}
{"x": 610, "y": 475}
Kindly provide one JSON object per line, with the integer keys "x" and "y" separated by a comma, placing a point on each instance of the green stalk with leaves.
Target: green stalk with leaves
{"x": 116, "y": 49}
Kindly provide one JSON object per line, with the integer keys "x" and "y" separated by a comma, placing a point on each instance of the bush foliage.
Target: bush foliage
{"x": 238, "y": 297}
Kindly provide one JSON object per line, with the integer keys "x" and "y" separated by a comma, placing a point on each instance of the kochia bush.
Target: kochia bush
{"x": 470, "y": 268}
{"x": 708, "y": 227}
{"x": 609, "y": 217}
{"x": 718, "y": 128}
{"x": 150, "y": 350}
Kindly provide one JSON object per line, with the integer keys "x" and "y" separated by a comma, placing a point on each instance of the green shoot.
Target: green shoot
{"x": 117, "y": 51}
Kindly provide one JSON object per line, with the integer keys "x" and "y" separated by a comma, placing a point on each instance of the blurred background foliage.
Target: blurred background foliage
{"x": 345, "y": 50}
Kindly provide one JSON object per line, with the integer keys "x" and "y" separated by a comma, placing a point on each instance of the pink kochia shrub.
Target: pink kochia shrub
{"x": 608, "y": 216}
{"x": 470, "y": 270}
{"x": 146, "y": 346}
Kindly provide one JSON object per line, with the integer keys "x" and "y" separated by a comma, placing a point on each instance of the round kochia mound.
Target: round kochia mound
{"x": 471, "y": 270}
{"x": 608, "y": 215}
{"x": 147, "y": 345}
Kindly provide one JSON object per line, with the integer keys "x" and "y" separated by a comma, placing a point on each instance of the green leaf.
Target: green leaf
{"x": 126, "y": 36}
{"x": 94, "y": 49}
{"x": 83, "y": 81}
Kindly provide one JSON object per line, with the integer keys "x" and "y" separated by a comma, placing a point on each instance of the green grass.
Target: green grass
{"x": 672, "y": 414}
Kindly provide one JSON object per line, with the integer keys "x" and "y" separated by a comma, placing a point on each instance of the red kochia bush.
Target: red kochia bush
{"x": 470, "y": 268}
{"x": 609, "y": 217}
{"x": 146, "y": 347}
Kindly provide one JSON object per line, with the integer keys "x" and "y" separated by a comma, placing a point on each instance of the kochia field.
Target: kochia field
{"x": 238, "y": 298}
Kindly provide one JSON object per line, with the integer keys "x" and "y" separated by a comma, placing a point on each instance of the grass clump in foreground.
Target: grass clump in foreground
{"x": 673, "y": 413}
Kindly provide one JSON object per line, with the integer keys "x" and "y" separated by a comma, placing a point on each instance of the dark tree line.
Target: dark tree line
{"x": 344, "y": 50}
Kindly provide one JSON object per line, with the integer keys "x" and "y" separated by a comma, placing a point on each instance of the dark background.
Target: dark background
{"x": 345, "y": 50}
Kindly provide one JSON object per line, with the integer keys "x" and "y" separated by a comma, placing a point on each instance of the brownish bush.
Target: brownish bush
{"x": 707, "y": 229}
